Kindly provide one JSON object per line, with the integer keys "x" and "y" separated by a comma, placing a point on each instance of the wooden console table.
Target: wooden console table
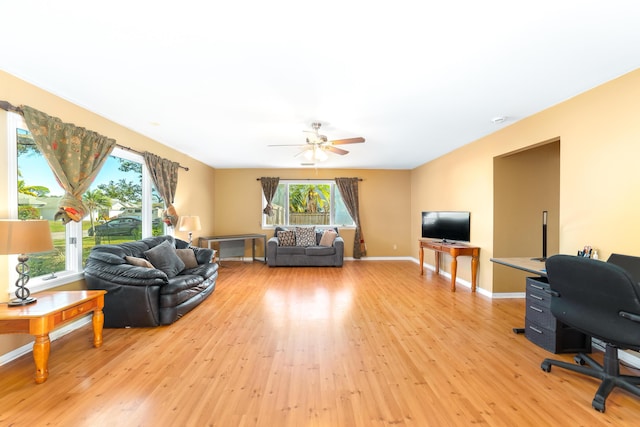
{"x": 52, "y": 309}
{"x": 455, "y": 250}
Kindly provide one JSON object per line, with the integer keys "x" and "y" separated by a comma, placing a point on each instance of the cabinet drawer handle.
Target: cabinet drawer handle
{"x": 534, "y": 296}
{"x": 538, "y": 287}
{"x": 536, "y": 309}
{"x": 535, "y": 330}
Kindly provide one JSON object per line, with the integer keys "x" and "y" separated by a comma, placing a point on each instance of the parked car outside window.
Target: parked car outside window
{"x": 124, "y": 226}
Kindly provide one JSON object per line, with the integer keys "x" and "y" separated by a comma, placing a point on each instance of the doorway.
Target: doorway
{"x": 526, "y": 183}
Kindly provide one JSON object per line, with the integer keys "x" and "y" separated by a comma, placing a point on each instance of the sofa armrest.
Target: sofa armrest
{"x": 272, "y": 249}
{"x": 338, "y": 243}
{"x": 125, "y": 274}
{"x": 203, "y": 255}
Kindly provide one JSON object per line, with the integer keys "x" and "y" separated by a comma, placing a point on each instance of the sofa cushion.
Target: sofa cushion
{"x": 286, "y": 238}
{"x": 319, "y": 250}
{"x": 328, "y": 237}
{"x": 305, "y": 236}
{"x": 139, "y": 262}
{"x": 164, "y": 258}
{"x": 188, "y": 257}
{"x": 291, "y": 250}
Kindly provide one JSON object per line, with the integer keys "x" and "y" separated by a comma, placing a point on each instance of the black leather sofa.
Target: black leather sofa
{"x": 143, "y": 296}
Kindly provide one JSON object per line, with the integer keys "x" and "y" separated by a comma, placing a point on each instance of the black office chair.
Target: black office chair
{"x": 602, "y": 300}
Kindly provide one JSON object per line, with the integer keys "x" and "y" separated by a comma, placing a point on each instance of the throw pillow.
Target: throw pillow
{"x": 139, "y": 262}
{"x": 305, "y": 236}
{"x": 328, "y": 237}
{"x": 164, "y": 258}
{"x": 188, "y": 257}
{"x": 286, "y": 238}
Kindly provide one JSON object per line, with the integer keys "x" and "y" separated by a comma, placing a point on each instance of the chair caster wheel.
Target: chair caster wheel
{"x": 545, "y": 366}
{"x": 579, "y": 360}
{"x": 598, "y": 404}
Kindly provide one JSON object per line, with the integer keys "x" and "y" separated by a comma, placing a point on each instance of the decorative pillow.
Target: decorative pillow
{"x": 286, "y": 238}
{"x": 139, "y": 262}
{"x": 328, "y": 237}
{"x": 305, "y": 236}
{"x": 188, "y": 257}
{"x": 164, "y": 258}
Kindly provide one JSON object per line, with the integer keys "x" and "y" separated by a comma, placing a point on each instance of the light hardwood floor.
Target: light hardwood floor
{"x": 369, "y": 344}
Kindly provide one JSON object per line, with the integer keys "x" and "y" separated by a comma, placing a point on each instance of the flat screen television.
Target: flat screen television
{"x": 448, "y": 226}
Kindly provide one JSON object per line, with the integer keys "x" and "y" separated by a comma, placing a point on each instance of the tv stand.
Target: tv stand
{"x": 455, "y": 250}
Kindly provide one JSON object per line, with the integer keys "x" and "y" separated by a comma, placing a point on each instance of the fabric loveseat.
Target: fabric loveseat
{"x": 305, "y": 246}
{"x": 150, "y": 282}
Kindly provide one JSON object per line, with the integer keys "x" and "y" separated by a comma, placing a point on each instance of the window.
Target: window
{"x": 307, "y": 203}
{"x": 122, "y": 206}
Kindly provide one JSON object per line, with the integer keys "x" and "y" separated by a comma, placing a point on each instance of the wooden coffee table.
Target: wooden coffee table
{"x": 52, "y": 310}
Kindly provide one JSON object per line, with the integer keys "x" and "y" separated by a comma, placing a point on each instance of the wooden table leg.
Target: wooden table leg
{"x": 437, "y": 259}
{"x": 474, "y": 272}
{"x": 421, "y": 260}
{"x": 454, "y": 269}
{"x": 41, "y": 348}
{"x": 98, "y": 323}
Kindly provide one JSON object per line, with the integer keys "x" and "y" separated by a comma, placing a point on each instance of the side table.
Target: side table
{"x": 51, "y": 310}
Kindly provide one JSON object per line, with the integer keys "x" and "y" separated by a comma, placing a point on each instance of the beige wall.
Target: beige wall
{"x": 599, "y": 203}
{"x": 192, "y": 184}
{"x": 384, "y": 201}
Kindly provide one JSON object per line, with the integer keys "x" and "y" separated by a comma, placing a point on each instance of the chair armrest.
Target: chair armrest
{"x": 630, "y": 316}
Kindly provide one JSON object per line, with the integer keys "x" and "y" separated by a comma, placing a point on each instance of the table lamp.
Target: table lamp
{"x": 24, "y": 237}
{"x": 189, "y": 223}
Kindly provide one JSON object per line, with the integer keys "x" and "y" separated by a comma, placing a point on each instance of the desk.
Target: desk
{"x": 50, "y": 311}
{"x": 541, "y": 326}
{"x": 455, "y": 250}
{"x": 230, "y": 243}
{"x": 529, "y": 265}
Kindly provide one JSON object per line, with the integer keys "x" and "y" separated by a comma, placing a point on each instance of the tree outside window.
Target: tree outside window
{"x": 304, "y": 203}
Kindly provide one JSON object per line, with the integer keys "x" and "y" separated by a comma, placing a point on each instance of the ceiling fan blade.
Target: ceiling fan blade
{"x": 347, "y": 141}
{"x": 336, "y": 150}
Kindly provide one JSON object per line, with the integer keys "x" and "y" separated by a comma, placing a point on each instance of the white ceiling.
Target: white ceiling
{"x": 220, "y": 81}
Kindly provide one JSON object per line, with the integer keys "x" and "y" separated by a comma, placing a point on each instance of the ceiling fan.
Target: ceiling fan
{"x": 317, "y": 145}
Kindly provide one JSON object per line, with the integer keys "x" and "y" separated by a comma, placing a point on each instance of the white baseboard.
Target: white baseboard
{"x": 54, "y": 335}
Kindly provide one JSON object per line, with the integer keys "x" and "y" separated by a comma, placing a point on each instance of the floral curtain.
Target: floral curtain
{"x": 349, "y": 190}
{"x": 74, "y": 154}
{"x": 164, "y": 174}
{"x": 269, "y": 187}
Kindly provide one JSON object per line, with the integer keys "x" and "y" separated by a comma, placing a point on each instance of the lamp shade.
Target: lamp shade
{"x": 24, "y": 236}
{"x": 189, "y": 223}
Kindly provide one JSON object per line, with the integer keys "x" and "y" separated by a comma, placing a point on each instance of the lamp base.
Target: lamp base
{"x": 18, "y": 302}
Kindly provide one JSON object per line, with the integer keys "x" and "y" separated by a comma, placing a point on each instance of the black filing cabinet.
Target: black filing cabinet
{"x": 543, "y": 329}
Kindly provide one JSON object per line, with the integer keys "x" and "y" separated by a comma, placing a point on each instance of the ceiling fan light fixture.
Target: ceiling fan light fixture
{"x": 320, "y": 155}
{"x": 308, "y": 154}
{"x": 315, "y": 154}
